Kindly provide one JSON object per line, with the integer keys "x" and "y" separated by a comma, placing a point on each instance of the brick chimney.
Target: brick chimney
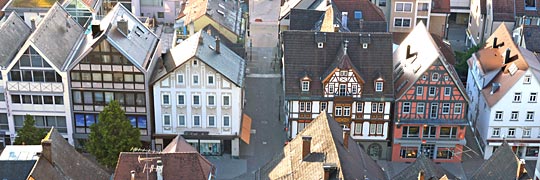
{"x": 346, "y": 134}
{"x": 306, "y": 146}
{"x": 218, "y": 45}
{"x": 329, "y": 168}
{"x": 46, "y": 151}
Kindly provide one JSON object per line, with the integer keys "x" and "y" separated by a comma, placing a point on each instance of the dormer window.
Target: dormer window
{"x": 305, "y": 85}
{"x": 530, "y": 5}
{"x": 379, "y": 84}
{"x": 342, "y": 73}
{"x": 527, "y": 79}
{"x": 435, "y": 77}
{"x": 320, "y": 45}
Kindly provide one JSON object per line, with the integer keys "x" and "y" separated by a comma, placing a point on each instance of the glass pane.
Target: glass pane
{"x": 96, "y": 76}
{"x": 140, "y": 99}
{"x": 77, "y": 99}
{"x": 108, "y": 97}
{"x": 87, "y": 97}
{"x": 16, "y": 98}
{"x": 58, "y": 100}
{"x": 40, "y": 121}
{"x": 90, "y": 119}
{"x": 139, "y": 78}
{"x": 51, "y": 121}
{"x": 25, "y": 61}
{"x": 141, "y": 121}
{"x": 133, "y": 120}
{"x": 3, "y": 119}
{"x": 36, "y": 62}
{"x": 27, "y": 99}
{"x": 107, "y": 77}
{"x": 38, "y": 76}
{"x": 79, "y": 119}
{"x": 15, "y": 75}
{"x": 119, "y": 97}
{"x": 118, "y": 77}
{"x": 98, "y": 97}
{"x": 130, "y": 99}
{"x": 75, "y": 76}
{"x": 27, "y": 75}
{"x": 19, "y": 120}
{"x": 86, "y": 76}
{"x": 37, "y": 99}
{"x": 61, "y": 121}
{"x": 50, "y": 76}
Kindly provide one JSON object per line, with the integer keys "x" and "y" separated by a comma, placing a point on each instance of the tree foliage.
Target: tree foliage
{"x": 462, "y": 57}
{"x": 112, "y": 134}
{"x": 29, "y": 134}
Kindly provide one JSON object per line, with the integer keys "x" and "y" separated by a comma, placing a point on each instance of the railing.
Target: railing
{"x": 35, "y": 86}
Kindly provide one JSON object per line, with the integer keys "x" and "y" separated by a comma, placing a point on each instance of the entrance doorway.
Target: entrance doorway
{"x": 427, "y": 150}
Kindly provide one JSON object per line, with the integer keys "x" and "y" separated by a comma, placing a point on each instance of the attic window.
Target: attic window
{"x": 195, "y": 62}
{"x": 320, "y": 45}
{"x": 379, "y": 85}
{"x": 358, "y": 15}
{"x": 364, "y": 45}
{"x": 305, "y": 85}
{"x": 513, "y": 69}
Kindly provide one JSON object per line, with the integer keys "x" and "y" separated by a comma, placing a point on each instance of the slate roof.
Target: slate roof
{"x": 422, "y": 163}
{"x": 491, "y": 64}
{"x": 531, "y": 35}
{"x": 326, "y": 148}
{"x": 180, "y": 161}
{"x": 440, "y": 6}
{"x": 14, "y": 33}
{"x": 202, "y": 46}
{"x": 57, "y": 36}
{"x": 408, "y": 70}
{"x": 304, "y": 19}
{"x": 59, "y": 160}
{"x": 503, "y": 164}
{"x": 15, "y": 170}
{"x": 302, "y": 56}
{"x": 226, "y": 13}
{"x": 503, "y": 10}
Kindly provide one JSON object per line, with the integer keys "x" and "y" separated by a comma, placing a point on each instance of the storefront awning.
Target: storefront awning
{"x": 245, "y": 132}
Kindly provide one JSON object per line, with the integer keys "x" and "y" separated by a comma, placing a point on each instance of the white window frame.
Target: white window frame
{"x": 435, "y": 77}
{"x": 209, "y": 117}
{"x": 358, "y": 127}
{"x": 229, "y": 119}
{"x": 498, "y": 115}
{"x": 323, "y": 106}
{"x": 180, "y": 116}
{"x": 195, "y": 77}
{"x": 511, "y": 132}
{"x": 208, "y": 100}
{"x": 514, "y": 116}
{"x": 193, "y": 99}
{"x": 194, "y": 117}
{"x": 381, "y": 107}
{"x": 374, "y": 107}
{"x": 458, "y": 107}
{"x": 445, "y": 108}
{"x": 347, "y": 111}
{"x": 434, "y": 91}
{"x": 436, "y": 114}
{"x": 517, "y": 97}
{"x": 530, "y": 116}
{"x": 420, "y": 108}
{"x": 338, "y": 111}
{"x": 402, "y": 20}
{"x": 226, "y": 103}
{"x": 213, "y": 79}
{"x": 419, "y": 90}
{"x": 354, "y": 89}
{"x": 359, "y": 107}
{"x": 195, "y": 62}
{"x": 305, "y": 85}
{"x": 526, "y": 132}
{"x": 527, "y": 79}
{"x": 403, "y": 6}
{"x": 533, "y": 97}
{"x": 165, "y": 96}
{"x": 183, "y": 99}
{"x": 496, "y": 132}
{"x": 165, "y": 116}
{"x": 379, "y": 86}
{"x": 406, "y": 109}
{"x": 447, "y": 91}
{"x": 180, "y": 79}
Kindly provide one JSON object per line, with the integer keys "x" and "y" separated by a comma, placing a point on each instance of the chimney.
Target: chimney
{"x": 122, "y": 26}
{"x": 336, "y": 27}
{"x": 217, "y": 45}
{"x": 421, "y": 175}
{"x": 328, "y": 169}
{"x": 346, "y": 134}
{"x": 132, "y": 174}
{"x": 344, "y": 19}
{"x": 507, "y": 56}
{"x": 46, "y": 151}
{"x": 159, "y": 170}
{"x": 33, "y": 23}
{"x": 495, "y": 43}
{"x": 306, "y": 146}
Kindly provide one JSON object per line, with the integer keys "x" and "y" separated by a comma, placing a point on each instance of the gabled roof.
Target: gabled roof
{"x": 14, "y": 33}
{"x": 424, "y": 52}
{"x": 373, "y": 19}
{"x": 491, "y": 63}
{"x": 503, "y": 10}
{"x": 287, "y": 6}
{"x": 202, "y": 46}
{"x": 422, "y": 163}
{"x": 326, "y": 148}
{"x": 15, "y": 170}
{"x": 179, "y": 162}
{"x": 342, "y": 62}
{"x": 303, "y": 56}
{"x": 57, "y": 36}
{"x": 59, "y": 160}
{"x": 304, "y": 19}
{"x": 226, "y": 13}
{"x": 531, "y": 36}
{"x": 503, "y": 164}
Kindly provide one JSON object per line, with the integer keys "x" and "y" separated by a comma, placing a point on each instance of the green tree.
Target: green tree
{"x": 462, "y": 57}
{"x": 112, "y": 134}
{"x": 30, "y": 134}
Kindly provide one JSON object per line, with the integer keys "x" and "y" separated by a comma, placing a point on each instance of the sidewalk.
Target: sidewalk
{"x": 227, "y": 167}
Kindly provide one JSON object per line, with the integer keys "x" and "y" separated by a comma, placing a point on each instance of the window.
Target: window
{"x": 496, "y": 132}
{"x": 406, "y": 107}
{"x": 435, "y": 77}
{"x": 434, "y": 110}
{"x": 429, "y": 131}
{"x": 530, "y": 116}
{"x": 359, "y": 107}
{"x": 381, "y": 107}
{"x": 181, "y": 99}
{"x": 403, "y": 7}
{"x": 419, "y": 90}
{"x": 424, "y": 77}
{"x": 211, "y": 100}
{"x": 196, "y": 100}
{"x": 410, "y": 131}
{"x": 195, "y": 63}
{"x": 323, "y": 106}
{"x": 166, "y": 120}
{"x": 305, "y": 85}
{"x": 196, "y": 120}
{"x": 447, "y": 91}
{"x": 4, "y": 122}
{"x": 181, "y": 120}
{"x": 532, "y": 97}
{"x": 354, "y": 89}
{"x": 160, "y": 14}
{"x": 408, "y": 152}
{"x": 210, "y": 80}
{"x": 331, "y": 88}
{"x": 444, "y": 153}
{"x": 527, "y": 79}
{"x": 457, "y": 108}
{"x": 514, "y": 116}
{"x": 498, "y": 115}
{"x": 212, "y": 121}
{"x": 446, "y": 108}
{"x": 180, "y": 78}
{"x": 532, "y": 151}
{"x": 432, "y": 90}
{"x": 226, "y": 121}
{"x": 530, "y": 5}
{"x": 373, "y": 107}
{"x": 357, "y": 128}
{"x": 305, "y": 106}
{"x": 165, "y": 99}
{"x": 402, "y": 22}
{"x": 375, "y": 129}
{"x": 423, "y": 6}
{"x": 382, "y": 2}
{"x": 517, "y": 97}
{"x": 196, "y": 79}
{"x": 342, "y": 90}
{"x": 378, "y": 86}
{"x": 420, "y": 108}
{"x": 346, "y": 111}
{"x": 526, "y": 132}
{"x": 338, "y": 111}
{"x": 226, "y": 100}
{"x": 448, "y": 132}
{"x": 511, "y": 132}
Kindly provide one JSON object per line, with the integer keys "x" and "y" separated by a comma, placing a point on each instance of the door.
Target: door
{"x": 427, "y": 150}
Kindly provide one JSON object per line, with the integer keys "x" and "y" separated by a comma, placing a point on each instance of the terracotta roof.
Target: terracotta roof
{"x": 424, "y": 52}
{"x": 302, "y": 56}
{"x": 14, "y": 32}
{"x": 440, "y": 6}
{"x": 531, "y": 36}
{"x": 503, "y": 164}
{"x": 430, "y": 169}
{"x": 494, "y": 70}
{"x": 503, "y": 10}
{"x": 226, "y": 13}
{"x": 327, "y": 149}
{"x": 445, "y": 48}
{"x": 59, "y": 160}
{"x": 179, "y": 162}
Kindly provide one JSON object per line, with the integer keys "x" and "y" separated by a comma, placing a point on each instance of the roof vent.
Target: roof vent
{"x": 495, "y": 87}
{"x": 320, "y": 45}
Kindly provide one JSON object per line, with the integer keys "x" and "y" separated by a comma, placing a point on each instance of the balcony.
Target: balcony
{"x": 35, "y": 86}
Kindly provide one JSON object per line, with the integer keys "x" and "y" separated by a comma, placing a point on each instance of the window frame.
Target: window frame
{"x": 530, "y": 116}
{"x": 180, "y": 79}
{"x": 183, "y": 101}
{"x": 458, "y": 108}
{"x": 195, "y": 79}
{"x": 445, "y": 108}
{"x": 406, "y": 108}
{"x": 228, "y": 119}
{"x": 402, "y": 22}
{"x": 379, "y": 86}
{"x": 304, "y": 86}
{"x": 419, "y": 90}
{"x": 511, "y": 132}
{"x": 226, "y": 103}
{"x": 164, "y": 120}
{"x": 498, "y": 116}
{"x": 165, "y": 99}
{"x": 533, "y": 97}
{"x": 435, "y": 77}
{"x": 213, "y": 100}
{"x": 517, "y": 97}
{"x": 338, "y": 111}
{"x": 420, "y": 108}
{"x": 447, "y": 91}
{"x": 198, "y": 99}
{"x": 194, "y": 120}
{"x": 430, "y": 91}
{"x": 403, "y": 10}
{"x": 179, "y": 118}
{"x": 209, "y": 117}
{"x": 514, "y": 116}
{"x": 211, "y": 78}
{"x": 496, "y": 132}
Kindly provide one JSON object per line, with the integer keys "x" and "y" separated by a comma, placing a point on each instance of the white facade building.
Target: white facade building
{"x": 503, "y": 84}
{"x": 199, "y": 95}
{"x": 164, "y": 11}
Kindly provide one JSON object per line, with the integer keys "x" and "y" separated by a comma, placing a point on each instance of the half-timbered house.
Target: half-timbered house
{"x": 345, "y": 74}
{"x": 430, "y": 102}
